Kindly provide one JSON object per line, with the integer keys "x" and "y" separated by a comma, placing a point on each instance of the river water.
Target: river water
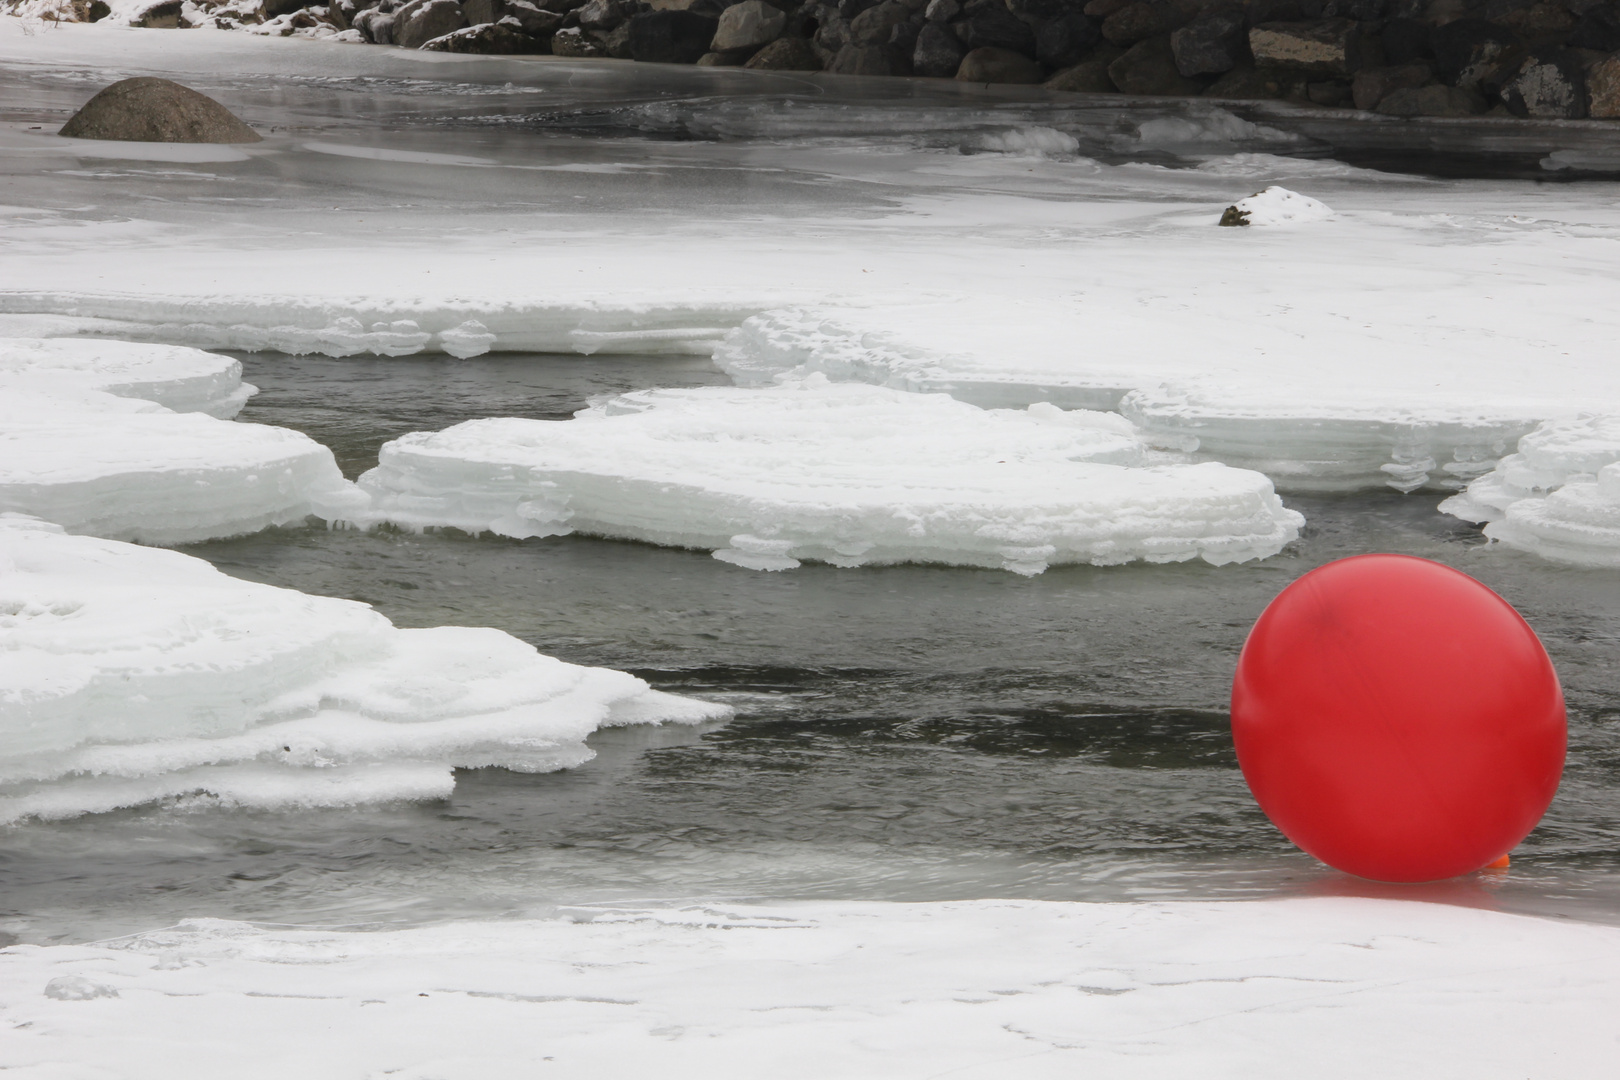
{"x": 902, "y": 733}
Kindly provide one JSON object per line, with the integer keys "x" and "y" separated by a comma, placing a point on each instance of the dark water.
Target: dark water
{"x": 902, "y": 733}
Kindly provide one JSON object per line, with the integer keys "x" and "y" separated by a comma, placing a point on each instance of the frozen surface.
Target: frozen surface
{"x": 132, "y": 675}
{"x": 846, "y": 474}
{"x": 986, "y": 989}
{"x": 87, "y": 442}
{"x": 1558, "y": 496}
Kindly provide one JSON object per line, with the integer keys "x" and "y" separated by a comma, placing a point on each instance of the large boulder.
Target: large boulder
{"x": 1433, "y": 100}
{"x": 988, "y": 64}
{"x": 572, "y": 41}
{"x": 1249, "y": 83}
{"x": 1211, "y": 44}
{"x": 600, "y": 16}
{"x": 376, "y": 26}
{"x": 420, "y": 22}
{"x": 988, "y": 24}
{"x": 1064, "y": 41}
{"x": 532, "y": 19}
{"x": 1143, "y": 19}
{"x": 938, "y": 52}
{"x": 1090, "y": 77}
{"x": 855, "y": 59}
{"x": 1372, "y": 85}
{"x": 875, "y": 25}
{"x": 671, "y": 37}
{"x": 1468, "y": 50}
{"x": 1598, "y": 29}
{"x": 1321, "y": 47}
{"x": 1603, "y": 88}
{"x": 1548, "y": 85}
{"x": 504, "y": 38}
{"x": 748, "y": 25}
{"x": 1149, "y": 67}
{"x": 786, "y": 54}
{"x": 1405, "y": 40}
{"x": 156, "y": 110}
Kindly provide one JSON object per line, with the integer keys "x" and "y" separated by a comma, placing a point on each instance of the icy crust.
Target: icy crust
{"x": 393, "y": 327}
{"x": 175, "y": 377}
{"x": 1319, "y": 412}
{"x": 845, "y": 474}
{"x": 1558, "y": 497}
{"x": 973, "y": 990}
{"x": 130, "y": 675}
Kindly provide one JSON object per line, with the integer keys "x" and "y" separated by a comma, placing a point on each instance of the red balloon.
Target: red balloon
{"x": 1397, "y": 719}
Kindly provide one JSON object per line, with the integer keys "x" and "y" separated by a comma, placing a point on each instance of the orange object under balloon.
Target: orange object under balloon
{"x": 1397, "y": 719}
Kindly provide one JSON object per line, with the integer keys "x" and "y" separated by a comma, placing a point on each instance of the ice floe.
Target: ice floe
{"x": 124, "y": 441}
{"x": 846, "y": 474}
{"x": 130, "y": 675}
{"x": 1313, "y": 409}
{"x": 1558, "y": 496}
{"x": 982, "y": 990}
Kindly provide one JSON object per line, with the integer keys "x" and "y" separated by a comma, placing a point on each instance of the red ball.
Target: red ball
{"x": 1397, "y": 719}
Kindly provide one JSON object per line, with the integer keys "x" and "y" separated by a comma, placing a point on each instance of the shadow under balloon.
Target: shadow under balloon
{"x": 1481, "y": 889}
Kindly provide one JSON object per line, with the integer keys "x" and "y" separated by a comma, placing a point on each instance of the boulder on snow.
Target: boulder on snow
{"x": 156, "y": 110}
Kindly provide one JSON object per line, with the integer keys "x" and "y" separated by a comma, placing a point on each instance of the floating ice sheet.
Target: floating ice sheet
{"x": 85, "y": 444}
{"x": 839, "y": 473}
{"x": 1316, "y": 404}
{"x": 130, "y": 675}
{"x": 1559, "y": 496}
{"x": 979, "y": 990}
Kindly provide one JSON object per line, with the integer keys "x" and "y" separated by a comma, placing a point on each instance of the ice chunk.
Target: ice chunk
{"x": 1412, "y": 400}
{"x": 846, "y": 474}
{"x": 132, "y": 674}
{"x": 176, "y": 377}
{"x": 1276, "y": 206}
{"x": 1559, "y": 496}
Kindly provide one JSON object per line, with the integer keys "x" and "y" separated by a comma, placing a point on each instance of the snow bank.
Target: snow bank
{"x": 1559, "y": 496}
{"x": 1245, "y": 383}
{"x": 845, "y": 474}
{"x": 85, "y": 444}
{"x": 131, "y": 675}
{"x": 1271, "y": 990}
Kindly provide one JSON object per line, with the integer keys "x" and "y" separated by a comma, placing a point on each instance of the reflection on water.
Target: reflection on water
{"x": 903, "y": 732}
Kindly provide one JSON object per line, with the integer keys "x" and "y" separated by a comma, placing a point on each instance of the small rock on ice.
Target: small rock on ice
{"x": 1275, "y": 206}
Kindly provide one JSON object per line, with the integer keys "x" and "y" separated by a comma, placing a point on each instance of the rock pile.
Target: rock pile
{"x": 1528, "y": 58}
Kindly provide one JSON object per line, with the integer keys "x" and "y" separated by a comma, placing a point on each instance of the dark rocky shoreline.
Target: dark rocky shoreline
{"x": 1553, "y": 59}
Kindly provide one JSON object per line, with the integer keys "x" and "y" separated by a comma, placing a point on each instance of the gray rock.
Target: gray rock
{"x": 156, "y": 110}
{"x": 748, "y": 25}
{"x": 1603, "y": 88}
{"x": 376, "y": 26}
{"x": 1064, "y": 41}
{"x": 1405, "y": 40}
{"x": 1090, "y": 77}
{"x": 988, "y": 64}
{"x": 1332, "y": 94}
{"x": 874, "y": 25}
{"x": 671, "y": 37}
{"x": 165, "y": 15}
{"x": 532, "y": 19}
{"x": 942, "y": 10}
{"x": 1598, "y": 29}
{"x": 1143, "y": 19}
{"x": 601, "y": 16}
{"x": 1322, "y": 47}
{"x": 1371, "y": 85}
{"x": 572, "y": 41}
{"x": 1248, "y": 83}
{"x": 1548, "y": 85}
{"x": 869, "y": 60}
{"x": 1149, "y": 67}
{"x": 477, "y": 11}
{"x": 1211, "y": 44}
{"x": 617, "y": 42}
{"x": 504, "y": 38}
{"x": 1467, "y": 50}
{"x": 938, "y": 52}
{"x": 1434, "y": 100}
{"x": 991, "y": 25}
{"x": 1360, "y": 10}
{"x": 420, "y": 22}
{"x": 786, "y": 54}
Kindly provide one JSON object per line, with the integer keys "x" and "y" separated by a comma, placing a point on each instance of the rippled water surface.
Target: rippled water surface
{"x": 902, "y": 733}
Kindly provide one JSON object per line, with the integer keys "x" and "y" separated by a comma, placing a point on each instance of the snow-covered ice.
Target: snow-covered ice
{"x": 846, "y": 474}
{"x": 1333, "y": 988}
{"x": 131, "y": 675}
{"x": 124, "y": 441}
{"x": 1558, "y": 496}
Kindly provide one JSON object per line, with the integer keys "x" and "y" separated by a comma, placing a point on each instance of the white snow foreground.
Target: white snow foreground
{"x": 1315, "y": 408}
{"x": 1558, "y": 497}
{"x": 846, "y": 474}
{"x": 128, "y": 441}
{"x": 991, "y": 989}
{"x": 130, "y": 675}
